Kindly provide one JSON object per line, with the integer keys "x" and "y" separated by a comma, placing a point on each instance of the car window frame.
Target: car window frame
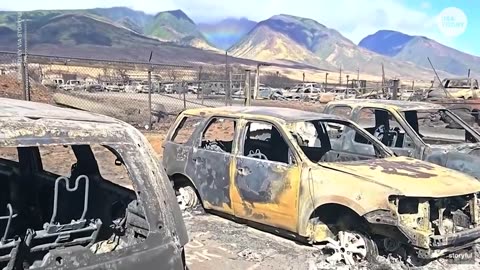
{"x": 180, "y": 121}
{"x": 206, "y": 124}
{"x": 418, "y": 142}
{"x": 294, "y": 160}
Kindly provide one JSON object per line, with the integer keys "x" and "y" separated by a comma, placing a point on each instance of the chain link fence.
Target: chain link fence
{"x": 138, "y": 93}
{"x": 143, "y": 93}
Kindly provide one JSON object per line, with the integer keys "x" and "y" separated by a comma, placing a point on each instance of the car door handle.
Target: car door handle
{"x": 243, "y": 171}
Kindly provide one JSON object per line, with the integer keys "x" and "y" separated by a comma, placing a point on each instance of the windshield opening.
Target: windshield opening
{"x": 335, "y": 141}
{"x": 439, "y": 127}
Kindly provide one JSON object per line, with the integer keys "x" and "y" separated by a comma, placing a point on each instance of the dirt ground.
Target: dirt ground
{"x": 10, "y": 87}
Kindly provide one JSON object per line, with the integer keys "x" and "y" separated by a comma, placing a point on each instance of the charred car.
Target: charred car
{"x": 461, "y": 88}
{"x": 297, "y": 173}
{"x": 82, "y": 191}
{"x": 420, "y": 130}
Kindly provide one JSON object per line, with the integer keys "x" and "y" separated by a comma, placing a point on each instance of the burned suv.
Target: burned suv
{"x": 82, "y": 191}
{"x": 421, "y": 130}
{"x": 297, "y": 172}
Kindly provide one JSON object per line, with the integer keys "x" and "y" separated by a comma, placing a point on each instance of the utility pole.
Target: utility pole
{"x": 326, "y": 79}
{"x": 468, "y": 74}
{"x": 303, "y": 77}
{"x": 358, "y": 74}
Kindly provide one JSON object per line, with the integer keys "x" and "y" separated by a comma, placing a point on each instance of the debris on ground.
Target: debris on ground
{"x": 250, "y": 255}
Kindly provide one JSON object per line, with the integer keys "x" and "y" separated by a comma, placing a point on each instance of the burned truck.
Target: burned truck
{"x": 82, "y": 191}
{"x": 420, "y": 130}
{"x": 296, "y": 173}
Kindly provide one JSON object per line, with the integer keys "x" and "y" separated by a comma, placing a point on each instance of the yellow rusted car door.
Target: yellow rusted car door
{"x": 266, "y": 177}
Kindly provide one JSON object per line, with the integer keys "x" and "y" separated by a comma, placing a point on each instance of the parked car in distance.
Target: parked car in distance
{"x": 420, "y": 130}
{"x": 72, "y": 85}
{"x": 299, "y": 173}
{"x": 83, "y": 191}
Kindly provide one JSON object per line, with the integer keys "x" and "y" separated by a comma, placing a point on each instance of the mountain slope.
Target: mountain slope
{"x": 266, "y": 45}
{"x": 225, "y": 33}
{"x": 176, "y": 26}
{"x": 84, "y": 36}
{"x": 296, "y": 39}
{"x": 172, "y": 26}
{"x": 416, "y": 49}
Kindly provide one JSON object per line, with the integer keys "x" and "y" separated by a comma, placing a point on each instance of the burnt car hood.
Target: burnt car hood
{"x": 409, "y": 177}
{"x": 466, "y": 148}
{"x": 460, "y": 157}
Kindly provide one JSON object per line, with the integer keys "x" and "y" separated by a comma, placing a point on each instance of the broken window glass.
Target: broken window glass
{"x": 219, "y": 135}
{"x": 385, "y": 127}
{"x": 57, "y": 159}
{"x": 9, "y": 153}
{"x": 343, "y": 111}
{"x": 439, "y": 127}
{"x": 185, "y": 129}
{"x": 330, "y": 141}
{"x": 264, "y": 141}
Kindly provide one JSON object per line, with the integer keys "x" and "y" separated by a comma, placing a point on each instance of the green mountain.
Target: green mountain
{"x": 416, "y": 49}
{"x": 170, "y": 26}
{"x": 285, "y": 38}
{"x": 87, "y": 36}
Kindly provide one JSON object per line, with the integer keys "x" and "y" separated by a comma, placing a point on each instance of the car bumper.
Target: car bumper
{"x": 441, "y": 245}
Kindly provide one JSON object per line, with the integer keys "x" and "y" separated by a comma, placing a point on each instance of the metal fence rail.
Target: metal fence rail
{"x": 141, "y": 93}
{"x": 138, "y": 93}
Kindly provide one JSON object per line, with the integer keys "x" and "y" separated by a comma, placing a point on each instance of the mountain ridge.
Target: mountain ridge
{"x": 292, "y": 38}
{"x": 416, "y": 49}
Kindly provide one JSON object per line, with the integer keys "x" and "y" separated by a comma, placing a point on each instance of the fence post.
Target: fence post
{"x": 247, "y": 91}
{"x": 256, "y": 86}
{"x": 184, "y": 100}
{"x": 150, "y": 97}
{"x": 230, "y": 86}
{"x": 199, "y": 85}
{"x": 24, "y": 79}
{"x": 396, "y": 84}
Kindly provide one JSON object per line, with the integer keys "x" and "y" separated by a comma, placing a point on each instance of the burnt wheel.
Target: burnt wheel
{"x": 351, "y": 248}
{"x": 187, "y": 197}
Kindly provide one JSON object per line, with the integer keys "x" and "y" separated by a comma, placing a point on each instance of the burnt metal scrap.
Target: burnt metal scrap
{"x": 300, "y": 173}
{"x": 420, "y": 130}
{"x": 81, "y": 219}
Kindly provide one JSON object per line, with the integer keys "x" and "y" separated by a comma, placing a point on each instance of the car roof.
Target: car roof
{"x": 26, "y": 109}
{"x": 284, "y": 114}
{"x": 399, "y": 105}
{"x": 25, "y": 123}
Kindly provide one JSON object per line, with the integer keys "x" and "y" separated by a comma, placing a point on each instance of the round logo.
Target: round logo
{"x": 452, "y": 22}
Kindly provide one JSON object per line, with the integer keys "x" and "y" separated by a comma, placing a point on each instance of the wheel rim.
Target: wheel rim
{"x": 187, "y": 198}
{"x": 349, "y": 247}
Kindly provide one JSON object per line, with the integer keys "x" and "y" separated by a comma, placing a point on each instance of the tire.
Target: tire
{"x": 187, "y": 197}
{"x": 351, "y": 247}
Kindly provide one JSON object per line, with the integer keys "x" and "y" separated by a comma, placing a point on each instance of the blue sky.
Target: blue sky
{"x": 353, "y": 18}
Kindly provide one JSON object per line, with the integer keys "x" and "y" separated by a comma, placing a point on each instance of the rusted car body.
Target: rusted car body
{"x": 62, "y": 206}
{"x": 461, "y": 88}
{"x": 297, "y": 172}
{"x": 420, "y": 130}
